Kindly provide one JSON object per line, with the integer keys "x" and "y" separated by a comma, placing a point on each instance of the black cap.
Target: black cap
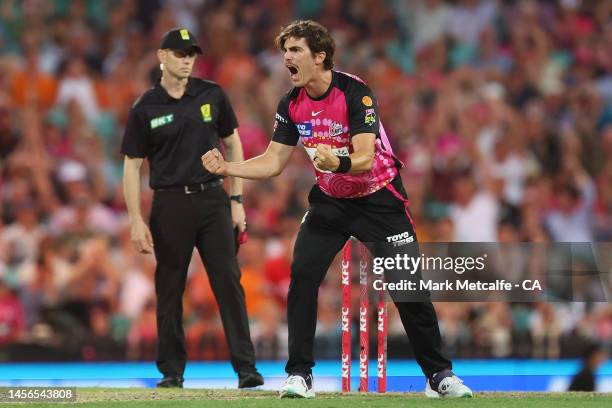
{"x": 179, "y": 39}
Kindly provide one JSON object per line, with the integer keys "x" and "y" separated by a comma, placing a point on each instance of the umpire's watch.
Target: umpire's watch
{"x": 237, "y": 198}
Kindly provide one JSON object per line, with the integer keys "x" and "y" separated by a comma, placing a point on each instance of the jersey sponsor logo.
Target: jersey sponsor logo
{"x": 161, "y": 120}
{"x": 184, "y": 34}
{"x": 335, "y": 129}
{"x": 367, "y": 101}
{"x": 280, "y": 118}
{"x": 206, "y": 112}
{"x": 316, "y": 113}
{"x": 370, "y": 117}
{"x": 304, "y": 129}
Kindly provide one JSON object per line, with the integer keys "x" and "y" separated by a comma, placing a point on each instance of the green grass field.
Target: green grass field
{"x": 187, "y": 398}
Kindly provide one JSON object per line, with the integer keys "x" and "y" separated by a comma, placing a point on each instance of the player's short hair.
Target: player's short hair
{"x": 317, "y": 37}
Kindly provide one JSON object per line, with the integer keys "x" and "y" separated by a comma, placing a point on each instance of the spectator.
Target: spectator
{"x": 571, "y": 220}
{"x": 12, "y": 316}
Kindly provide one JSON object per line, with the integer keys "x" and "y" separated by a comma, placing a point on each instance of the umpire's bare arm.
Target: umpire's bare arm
{"x": 141, "y": 236}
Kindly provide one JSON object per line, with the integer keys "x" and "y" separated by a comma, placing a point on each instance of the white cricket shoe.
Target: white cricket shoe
{"x": 297, "y": 386}
{"x": 449, "y": 387}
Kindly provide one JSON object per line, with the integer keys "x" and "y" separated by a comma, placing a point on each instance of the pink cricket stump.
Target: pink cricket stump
{"x": 346, "y": 318}
{"x": 364, "y": 311}
{"x": 382, "y": 342}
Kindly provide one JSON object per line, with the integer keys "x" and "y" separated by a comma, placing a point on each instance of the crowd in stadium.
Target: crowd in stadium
{"x": 501, "y": 112}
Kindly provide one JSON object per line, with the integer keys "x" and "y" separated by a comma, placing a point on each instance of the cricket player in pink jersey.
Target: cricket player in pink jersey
{"x": 358, "y": 193}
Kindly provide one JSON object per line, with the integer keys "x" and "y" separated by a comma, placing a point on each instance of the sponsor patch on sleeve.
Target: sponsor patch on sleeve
{"x": 370, "y": 117}
{"x": 206, "y": 112}
{"x": 367, "y": 101}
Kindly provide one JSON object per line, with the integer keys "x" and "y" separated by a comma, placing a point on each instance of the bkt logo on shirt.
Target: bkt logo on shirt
{"x": 161, "y": 120}
{"x": 304, "y": 129}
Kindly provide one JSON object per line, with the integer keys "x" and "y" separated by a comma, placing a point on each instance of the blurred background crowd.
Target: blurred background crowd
{"x": 500, "y": 110}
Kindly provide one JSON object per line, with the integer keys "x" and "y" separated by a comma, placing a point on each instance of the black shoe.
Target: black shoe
{"x": 170, "y": 382}
{"x": 250, "y": 380}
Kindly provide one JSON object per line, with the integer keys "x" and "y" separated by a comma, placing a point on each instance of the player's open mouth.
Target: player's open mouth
{"x": 293, "y": 71}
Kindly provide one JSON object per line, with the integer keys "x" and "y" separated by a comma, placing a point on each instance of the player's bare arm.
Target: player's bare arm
{"x": 269, "y": 164}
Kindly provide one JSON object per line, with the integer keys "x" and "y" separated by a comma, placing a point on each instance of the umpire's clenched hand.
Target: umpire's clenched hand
{"x": 213, "y": 161}
{"x": 141, "y": 237}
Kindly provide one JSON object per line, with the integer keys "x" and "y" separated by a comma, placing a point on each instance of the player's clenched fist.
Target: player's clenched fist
{"x": 213, "y": 161}
{"x": 325, "y": 159}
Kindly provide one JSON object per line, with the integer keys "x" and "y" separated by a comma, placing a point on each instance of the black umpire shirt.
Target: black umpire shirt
{"x": 173, "y": 134}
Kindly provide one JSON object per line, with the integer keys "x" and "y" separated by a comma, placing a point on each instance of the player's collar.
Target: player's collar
{"x": 329, "y": 89}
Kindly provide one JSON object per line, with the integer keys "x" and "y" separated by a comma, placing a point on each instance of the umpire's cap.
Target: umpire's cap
{"x": 179, "y": 39}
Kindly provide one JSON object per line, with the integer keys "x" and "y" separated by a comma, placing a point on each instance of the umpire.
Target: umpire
{"x": 173, "y": 124}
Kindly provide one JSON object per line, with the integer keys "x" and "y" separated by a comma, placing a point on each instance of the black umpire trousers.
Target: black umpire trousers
{"x": 329, "y": 223}
{"x": 178, "y": 222}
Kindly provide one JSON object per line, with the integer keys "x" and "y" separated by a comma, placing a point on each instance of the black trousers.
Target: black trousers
{"x": 179, "y": 222}
{"x": 324, "y": 231}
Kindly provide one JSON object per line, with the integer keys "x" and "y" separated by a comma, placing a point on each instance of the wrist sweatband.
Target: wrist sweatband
{"x": 345, "y": 164}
